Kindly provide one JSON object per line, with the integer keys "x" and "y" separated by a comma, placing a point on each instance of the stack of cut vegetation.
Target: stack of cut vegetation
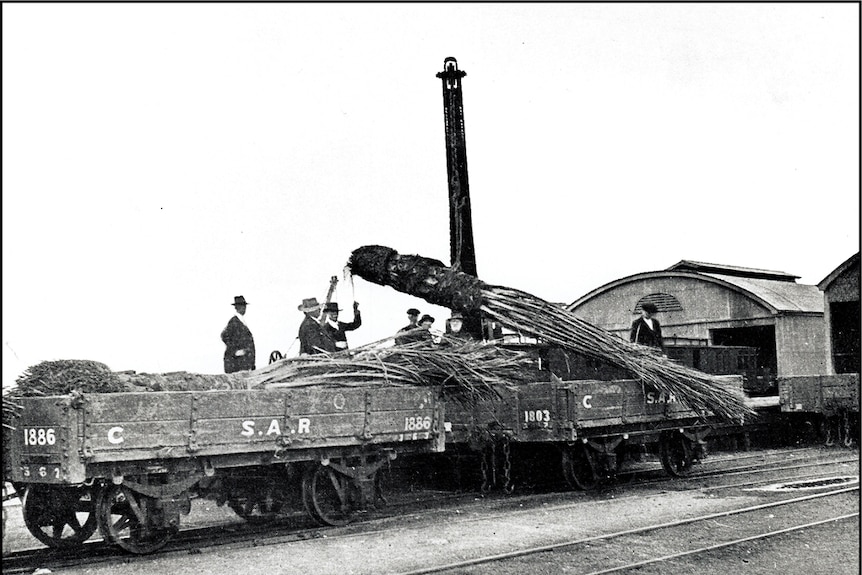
{"x": 181, "y": 381}
{"x": 465, "y": 370}
{"x": 64, "y": 376}
{"x": 438, "y": 284}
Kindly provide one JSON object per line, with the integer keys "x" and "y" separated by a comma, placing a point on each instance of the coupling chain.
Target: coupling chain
{"x": 508, "y": 487}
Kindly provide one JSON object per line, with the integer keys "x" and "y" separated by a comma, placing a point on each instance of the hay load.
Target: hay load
{"x": 435, "y": 283}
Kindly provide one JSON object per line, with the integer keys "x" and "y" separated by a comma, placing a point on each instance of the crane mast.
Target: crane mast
{"x": 462, "y": 251}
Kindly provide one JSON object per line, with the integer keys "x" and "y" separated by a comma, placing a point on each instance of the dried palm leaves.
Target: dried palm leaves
{"x": 465, "y": 370}
{"x": 437, "y": 284}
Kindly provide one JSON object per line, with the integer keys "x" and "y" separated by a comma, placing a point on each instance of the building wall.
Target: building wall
{"x": 845, "y": 288}
{"x": 799, "y": 344}
{"x": 705, "y": 305}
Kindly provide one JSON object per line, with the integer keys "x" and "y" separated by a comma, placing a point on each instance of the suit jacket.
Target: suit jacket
{"x": 237, "y": 336}
{"x": 313, "y": 338}
{"x": 403, "y": 337}
{"x": 642, "y": 334}
{"x": 338, "y": 337}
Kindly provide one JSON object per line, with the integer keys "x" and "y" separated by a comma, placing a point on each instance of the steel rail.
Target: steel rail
{"x": 722, "y": 545}
{"x": 635, "y": 531}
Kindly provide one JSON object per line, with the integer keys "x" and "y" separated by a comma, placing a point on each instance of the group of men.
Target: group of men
{"x": 321, "y": 332}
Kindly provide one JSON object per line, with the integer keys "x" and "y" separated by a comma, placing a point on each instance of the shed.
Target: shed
{"x": 842, "y": 317}
{"x": 721, "y": 305}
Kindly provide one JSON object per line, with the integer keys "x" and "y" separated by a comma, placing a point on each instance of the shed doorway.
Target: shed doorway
{"x": 760, "y": 337}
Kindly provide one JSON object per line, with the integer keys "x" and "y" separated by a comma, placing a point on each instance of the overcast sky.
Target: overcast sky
{"x": 160, "y": 159}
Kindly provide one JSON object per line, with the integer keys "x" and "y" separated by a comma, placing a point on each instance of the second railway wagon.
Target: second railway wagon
{"x": 129, "y": 463}
{"x": 592, "y": 425}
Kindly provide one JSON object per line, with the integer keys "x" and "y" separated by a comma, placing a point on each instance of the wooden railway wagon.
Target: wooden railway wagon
{"x": 828, "y": 403}
{"x": 129, "y": 463}
{"x": 593, "y": 427}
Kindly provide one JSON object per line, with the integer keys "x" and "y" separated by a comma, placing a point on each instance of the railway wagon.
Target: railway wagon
{"x": 828, "y": 403}
{"x": 129, "y": 463}
{"x": 592, "y": 425}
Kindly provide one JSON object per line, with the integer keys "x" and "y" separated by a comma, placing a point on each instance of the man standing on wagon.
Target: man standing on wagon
{"x": 312, "y": 337}
{"x": 336, "y": 329}
{"x": 239, "y": 343}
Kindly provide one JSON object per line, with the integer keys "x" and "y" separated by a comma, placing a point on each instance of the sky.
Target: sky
{"x": 160, "y": 159}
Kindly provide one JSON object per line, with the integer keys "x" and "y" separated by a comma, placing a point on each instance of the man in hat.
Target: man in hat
{"x": 403, "y": 337}
{"x": 425, "y": 322}
{"x": 335, "y": 329}
{"x": 455, "y": 333}
{"x": 312, "y": 337}
{"x": 646, "y": 329}
{"x": 239, "y": 343}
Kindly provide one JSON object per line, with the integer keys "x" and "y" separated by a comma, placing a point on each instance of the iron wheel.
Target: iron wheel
{"x": 58, "y": 516}
{"x": 124, "y": 520}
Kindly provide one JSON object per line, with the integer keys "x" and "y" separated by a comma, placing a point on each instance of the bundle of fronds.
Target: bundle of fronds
{"x": 61, "y": 377}
{"x": 438, "y": 284}
{"x": 464, "y": 370}
{"x": 181, "y": 381}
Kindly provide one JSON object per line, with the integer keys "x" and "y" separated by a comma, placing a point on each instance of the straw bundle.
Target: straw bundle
{"x": 465, "y": 370}
{"x": 434, "y": 282}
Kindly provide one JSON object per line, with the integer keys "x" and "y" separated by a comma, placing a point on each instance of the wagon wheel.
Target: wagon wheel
{"x": 328, "y": 495}
{"x": 675, "y": 453}
{"x": 260, "y": 506}
{"x": 579, "y": 467}
{"x": 60, "y": 517}
{"x": 124, "y": 520}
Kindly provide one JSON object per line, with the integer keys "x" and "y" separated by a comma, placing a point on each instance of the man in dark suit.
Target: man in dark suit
{"x": 413, "y": 317}
{"x": 646, "y": 329}
{"x": 335, "y": 329}
{"x": 312, "y": 338}
{"x": 239, "y": 343}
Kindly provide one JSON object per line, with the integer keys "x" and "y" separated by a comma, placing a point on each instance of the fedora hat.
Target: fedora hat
{"x": 309, "y": 304}
{"x": 239, "y": 300}
{"x": 332, "y": 306}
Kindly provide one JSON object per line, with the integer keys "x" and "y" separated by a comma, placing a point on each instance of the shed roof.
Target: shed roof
{"x": 691, "y": 265}
{"x": 783, "y": 296}
{"x": 839, "y": 271}
{"x": 780, "y": 296}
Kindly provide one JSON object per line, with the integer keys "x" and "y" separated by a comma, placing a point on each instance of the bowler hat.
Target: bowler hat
{"x": 239, "y": 300}
{"x": 650, "y": 307}
{"x": 309, "y": 304}
{"x": 426, "y": 317}
{"x": 412, "y": 311}
{"x": 332, "y": 306}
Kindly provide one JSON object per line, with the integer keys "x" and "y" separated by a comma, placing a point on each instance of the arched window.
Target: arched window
{"x": 663, "y": 301}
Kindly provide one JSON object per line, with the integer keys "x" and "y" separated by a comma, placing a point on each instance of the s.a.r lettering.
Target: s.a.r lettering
{"x": 303, "y": 425}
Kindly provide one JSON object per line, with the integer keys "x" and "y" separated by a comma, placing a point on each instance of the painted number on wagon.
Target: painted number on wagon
{"x": 536, "y": 417}
{"x": 42, "y": 472}
{"x": 39, "y": 436}
{"x": 417, "y": 423}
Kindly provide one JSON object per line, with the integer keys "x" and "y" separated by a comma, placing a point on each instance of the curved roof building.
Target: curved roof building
{"x": 722, "y": 305}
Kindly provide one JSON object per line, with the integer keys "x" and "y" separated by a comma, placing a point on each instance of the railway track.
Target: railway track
{"x": 464, "y": 506}
{"x": 749, "y": 520}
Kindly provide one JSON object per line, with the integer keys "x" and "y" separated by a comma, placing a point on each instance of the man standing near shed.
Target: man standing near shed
{"x": 646, "y": 329}
{"x": 239, "y": 343}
